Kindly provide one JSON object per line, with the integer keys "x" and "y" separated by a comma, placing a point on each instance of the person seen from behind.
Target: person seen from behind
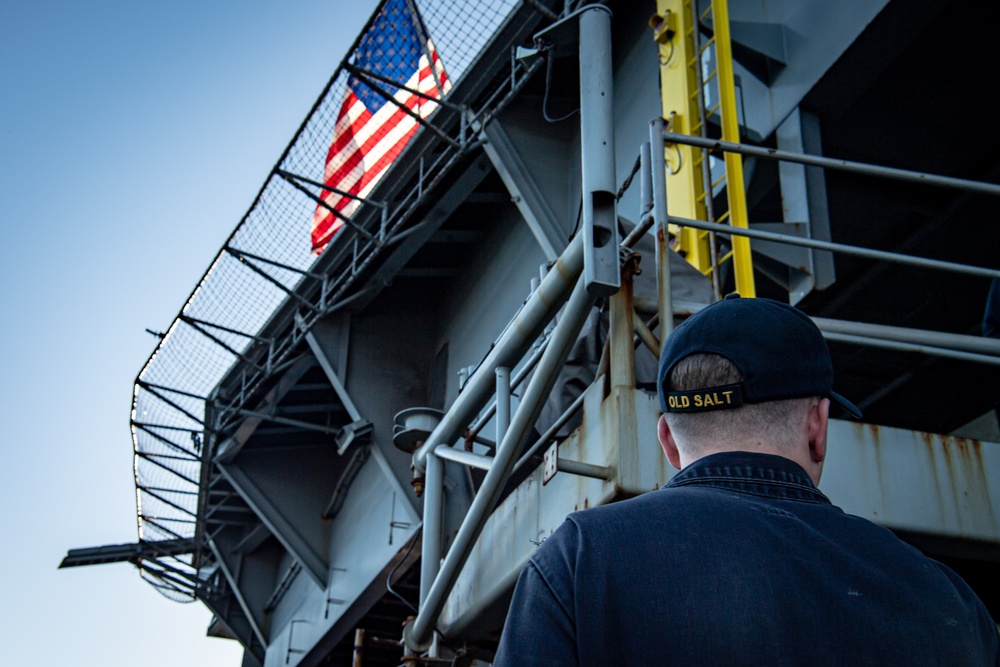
{"x": 740, "y": 559}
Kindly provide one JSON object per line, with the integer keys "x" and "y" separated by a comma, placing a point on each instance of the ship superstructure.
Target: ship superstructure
{"x": 330, "y": 446}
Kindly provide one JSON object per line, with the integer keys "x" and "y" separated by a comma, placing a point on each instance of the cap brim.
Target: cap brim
{"x": 849, "y": 407}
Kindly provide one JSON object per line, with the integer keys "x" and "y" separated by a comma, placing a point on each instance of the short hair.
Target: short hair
{"x": 775, "y": 423}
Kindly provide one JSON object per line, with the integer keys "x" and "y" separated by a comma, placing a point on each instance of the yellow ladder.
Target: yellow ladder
{"x": 689, "y": 182}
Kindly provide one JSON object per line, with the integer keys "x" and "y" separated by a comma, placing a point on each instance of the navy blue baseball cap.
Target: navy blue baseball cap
{"x": 778, "y": 349}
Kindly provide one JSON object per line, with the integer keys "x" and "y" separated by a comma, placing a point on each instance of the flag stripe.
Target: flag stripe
{"x": 340, "y": 165}
{"x": 370, "y": 131}
{"x": 368, "y": 176}
{"x": 366, "y": 163}
{"x": 354, "y": 116}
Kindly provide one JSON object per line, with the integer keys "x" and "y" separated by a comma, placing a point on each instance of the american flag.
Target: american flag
{"x": 372, "y": 131}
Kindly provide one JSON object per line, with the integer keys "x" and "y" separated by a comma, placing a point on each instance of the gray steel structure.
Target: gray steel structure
{"x": 280, "y": 479}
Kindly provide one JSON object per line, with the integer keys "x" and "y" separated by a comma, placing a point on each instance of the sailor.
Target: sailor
{"x": 740, "y": 559}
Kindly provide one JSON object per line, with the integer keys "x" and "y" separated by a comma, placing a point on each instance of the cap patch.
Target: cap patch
{"x": 703, "y": 400}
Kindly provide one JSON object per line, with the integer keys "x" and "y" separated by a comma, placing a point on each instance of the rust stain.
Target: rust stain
{"x": 946, "y": 451}
{"x": 872, "y": 478}
{"x": 881, "y": 468}
{"x": 932, "y": 462}
{"x": 970, "y": 490}
{"x": 977, "y": 453}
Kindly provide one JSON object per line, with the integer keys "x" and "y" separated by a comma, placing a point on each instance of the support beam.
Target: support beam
{"x": 297, "y": 423}
{"x": 230, "y": 447}
{"x": 524, "y": 192}
{"x": 235, "y": 623}
{"x": 253, "y": 540}
{"x": 232, "y": 579}
{"x": 331, "y": 375}
{"x": 279, "y": 525}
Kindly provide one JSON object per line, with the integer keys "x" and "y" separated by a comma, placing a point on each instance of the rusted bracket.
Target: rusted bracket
{"x": 553, "y": 464}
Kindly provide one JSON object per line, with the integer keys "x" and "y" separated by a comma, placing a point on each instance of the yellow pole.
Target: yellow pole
{"x": 735, "y": 188}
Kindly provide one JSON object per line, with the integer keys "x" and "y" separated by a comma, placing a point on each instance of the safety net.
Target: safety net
{"x": 384, "y": 92}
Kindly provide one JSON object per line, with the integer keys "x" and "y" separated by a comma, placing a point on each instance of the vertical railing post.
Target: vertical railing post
{"x": 433, "y": 534}
{"x": 417, "y": 634}
{"x": 620, "y": 332}
{"x": 503, "y": 402}
{"x": 659, "y": 174}
{"x": 645, "y": 182}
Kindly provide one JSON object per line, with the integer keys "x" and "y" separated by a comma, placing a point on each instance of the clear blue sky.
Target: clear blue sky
{"x": 133, "y": 137}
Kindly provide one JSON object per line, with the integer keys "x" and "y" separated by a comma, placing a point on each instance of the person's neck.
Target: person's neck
{"x": 799, "y": 455}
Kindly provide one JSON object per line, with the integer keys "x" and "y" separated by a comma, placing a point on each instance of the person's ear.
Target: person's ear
{"x": 668, "y": 443}
{"x": 816, "y": 424}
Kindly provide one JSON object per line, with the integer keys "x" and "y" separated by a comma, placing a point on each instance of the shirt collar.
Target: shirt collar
{"x": 736, "y": 470}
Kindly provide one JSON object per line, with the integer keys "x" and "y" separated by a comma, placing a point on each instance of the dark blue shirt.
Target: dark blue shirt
{"x": 739, "y": 560}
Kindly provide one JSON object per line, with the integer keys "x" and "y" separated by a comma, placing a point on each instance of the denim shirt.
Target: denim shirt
{"x": 739, "y": 560}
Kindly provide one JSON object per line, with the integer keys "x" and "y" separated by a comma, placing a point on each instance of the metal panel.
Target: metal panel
{"x": 375, "y": 522}
{"x": 389, "y": 362}
{"x": 817, "y": 33}
{"x": 524, "y": 191}
{"x": 279, "y": 520}
{"x": 916, "y": 482}
{"x": 796, "y": 208}
{"x": 483, "y": 302}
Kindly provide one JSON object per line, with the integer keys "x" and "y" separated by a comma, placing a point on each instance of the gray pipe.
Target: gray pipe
{"x": 597, "y": 153}
{"x": 417, "y": 634}
{"x": 503, "y": 402}
{"x": 465, "y": 458}
{"x": 939, "y": 339}
{"x": 658, "y": 172}
{"x": 513, "y": 343}
{"x": 910, "y": 347}
{"x": 433, "y": 530}
{"x": 515, "y": 381}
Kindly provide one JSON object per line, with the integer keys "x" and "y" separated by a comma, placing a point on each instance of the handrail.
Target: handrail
{"x": 417, "y": 633}
{"x": 833, "y": 163}
{"x": 235, "y": 299}
{"x": 858, "y": 251}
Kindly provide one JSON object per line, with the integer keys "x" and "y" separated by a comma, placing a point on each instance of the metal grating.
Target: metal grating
{"x": 265, "y": 263}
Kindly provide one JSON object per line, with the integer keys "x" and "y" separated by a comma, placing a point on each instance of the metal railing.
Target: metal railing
{"x": 437, "y": 582}
{"x": 265, "y": 265}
